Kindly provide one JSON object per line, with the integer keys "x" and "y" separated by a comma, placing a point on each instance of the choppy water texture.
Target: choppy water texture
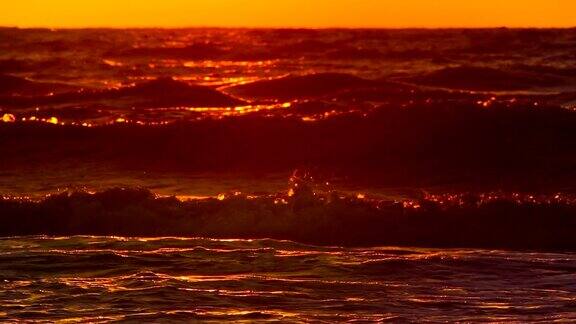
{"x": 128, "y": 279}
{"x": 165, "y": 109}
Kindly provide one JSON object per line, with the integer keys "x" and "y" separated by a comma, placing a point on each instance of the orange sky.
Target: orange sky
{"x": 288, "y": 13}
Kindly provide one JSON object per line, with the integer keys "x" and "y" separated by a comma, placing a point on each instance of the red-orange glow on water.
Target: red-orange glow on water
{"x": 206, "y": 113}
{"x": 8, "y": 118}
{"x": 441, "y": 200}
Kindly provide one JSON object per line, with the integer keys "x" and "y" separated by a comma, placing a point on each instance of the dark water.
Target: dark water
{"x": 377, "y": 109}
{"x": 433, "y": 138}
{"x": 101, "y": 279}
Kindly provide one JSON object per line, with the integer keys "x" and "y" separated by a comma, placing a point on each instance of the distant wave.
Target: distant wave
{"x": 30, "y": 65}
{"x": 16, "y": 86}
{"x": 304, "y": 217}
{"x": 14, "y": 65}
{"x": 196, "y": 51}
{"x": 220, "y": 51}
{"x": 164, "y": 92}
{"x": 161, "y": 92}
{"x": 484, "y": 78}
{"x": 305, "y": 86}
{"x": 494, "y": 142}
{"x": 547, "y": 69}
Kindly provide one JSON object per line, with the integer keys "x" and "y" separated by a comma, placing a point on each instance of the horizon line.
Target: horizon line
{"x": 284, "y": 27}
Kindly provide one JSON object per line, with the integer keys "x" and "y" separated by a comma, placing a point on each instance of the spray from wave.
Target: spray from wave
{"x": 308, "y": 213}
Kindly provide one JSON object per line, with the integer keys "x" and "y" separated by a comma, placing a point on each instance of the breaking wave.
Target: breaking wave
{"x": 303, "y": 215}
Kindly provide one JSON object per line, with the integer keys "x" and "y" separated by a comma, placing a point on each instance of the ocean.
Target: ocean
{"x": 113, "y": 279}
{"x": 287, "y": 175}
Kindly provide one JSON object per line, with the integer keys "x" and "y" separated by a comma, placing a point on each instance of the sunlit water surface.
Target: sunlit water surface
{"x": 100, "y": 279}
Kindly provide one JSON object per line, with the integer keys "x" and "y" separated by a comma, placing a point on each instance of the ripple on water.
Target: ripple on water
{"x": 111, "y": 278}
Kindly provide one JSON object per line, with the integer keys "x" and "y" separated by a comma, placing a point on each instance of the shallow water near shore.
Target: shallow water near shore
{"x": 100, "y": 279}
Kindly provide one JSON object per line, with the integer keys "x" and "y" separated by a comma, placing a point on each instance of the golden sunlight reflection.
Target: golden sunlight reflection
{"x": 143, "y": 120}
{"x": 8, "y": 118}
{"x": 447, "y": 200}
{"x": 105, "y": 116}
{"x": 222, "y": 64}
{"x": 113, "y": 63}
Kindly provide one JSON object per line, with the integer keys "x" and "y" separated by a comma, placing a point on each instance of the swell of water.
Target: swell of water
{"x": 101, "y": 279}
{"x": 405, "y": 108}
{"x": 308, "y": 64}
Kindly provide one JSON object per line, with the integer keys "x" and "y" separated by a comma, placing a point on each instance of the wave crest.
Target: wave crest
{"x": 304, "y": 86}
{"x": 16, "y": 86}
{"x": 486, "y": 79}
{"x": 161, "y": 92}
{"x": 303, "y": 215}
